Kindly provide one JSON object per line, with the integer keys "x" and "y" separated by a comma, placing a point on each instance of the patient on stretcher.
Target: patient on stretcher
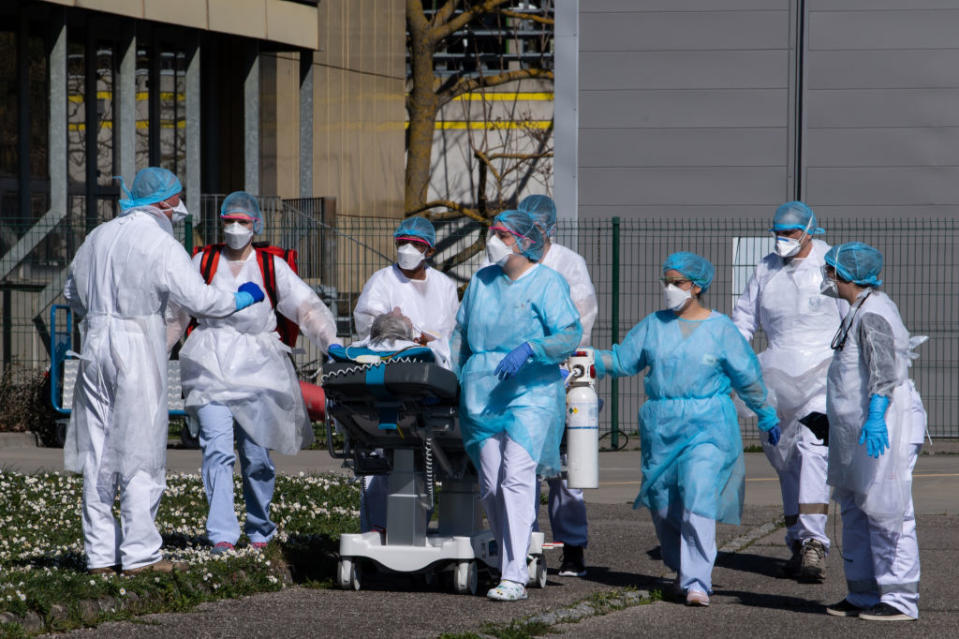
{"x": 390, "y": 334}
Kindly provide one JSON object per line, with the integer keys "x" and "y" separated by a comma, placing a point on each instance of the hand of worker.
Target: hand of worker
{"x": 252, "y": 289}
{"x": 874, "y": 434}
{"x": 336, "y": 351}
{"x": 774, "y": 435}
{"x": 514, "y": 361}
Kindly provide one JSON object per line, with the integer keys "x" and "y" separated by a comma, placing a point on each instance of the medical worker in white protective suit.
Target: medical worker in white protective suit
{"x": 123, "y": 276}
{"x": 692, "y": 463}
{"x": 782, "y": 298}
{"x": 876, "y": 428}
{"x": 424, "y": 295}
{"x": 566, "y": 506}
{"x": 238, "y": 379}
{"x": 516, "y": 325}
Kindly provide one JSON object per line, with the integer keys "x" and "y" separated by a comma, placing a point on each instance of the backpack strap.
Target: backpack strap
{"x": 209, "y": 261}
{"x": 269, "y": 273}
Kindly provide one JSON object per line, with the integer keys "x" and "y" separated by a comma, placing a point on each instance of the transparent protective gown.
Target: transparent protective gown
{"x": 497, "y": 315}
{"x": 689, "y": 432}
{"x": 240, "y": 362}
{"x": 783, "y": 298}
{"x": 572, "y": 267}
{"x": 431, "y": 304}
{"x": 874, "y": 359}
{"x": 121, "y": 280}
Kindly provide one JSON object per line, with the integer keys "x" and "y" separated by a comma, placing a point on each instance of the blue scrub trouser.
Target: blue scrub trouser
{"x": 688, "y": 545}
{"x": 567, "y": 513}
{"x": 259, "y": 477}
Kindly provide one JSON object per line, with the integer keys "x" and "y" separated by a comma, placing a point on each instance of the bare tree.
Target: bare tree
{"x": 429, "y": 92}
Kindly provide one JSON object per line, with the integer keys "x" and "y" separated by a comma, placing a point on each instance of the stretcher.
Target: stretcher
{"x": 397, "y": 413}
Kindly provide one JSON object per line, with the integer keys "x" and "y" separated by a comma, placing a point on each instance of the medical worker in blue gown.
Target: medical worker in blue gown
{"x": 692, "y": 462}
{"x": 515, "y": 325}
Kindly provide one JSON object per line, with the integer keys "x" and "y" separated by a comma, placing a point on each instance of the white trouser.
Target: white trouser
{"x": 687, "y": 542}
{"x": 567, "y": 512}
{"x": 373, "y": 500}
{"x": 507, "y": 478}
{"x": 804, "y": 490}
{"x": 135, "y": 540}
{"x": 881, "y": 565}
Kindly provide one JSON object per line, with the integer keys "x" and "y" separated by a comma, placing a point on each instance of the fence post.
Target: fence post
{"x": 188, "y": 235}
{"x": 614, "y": 383}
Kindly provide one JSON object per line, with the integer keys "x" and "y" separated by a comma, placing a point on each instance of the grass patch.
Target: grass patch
{"x": 43, "y": 581}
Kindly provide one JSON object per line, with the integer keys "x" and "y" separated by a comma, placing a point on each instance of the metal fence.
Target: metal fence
{"x": 337, "y": 254}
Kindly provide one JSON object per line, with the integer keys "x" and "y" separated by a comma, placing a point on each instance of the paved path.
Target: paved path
{"x": 749, "y": 601}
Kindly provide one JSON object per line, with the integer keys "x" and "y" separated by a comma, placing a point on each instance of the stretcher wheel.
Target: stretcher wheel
{"x": 466, "y": 578}
{"x": 347, "y": 574}
{"x": 537, "y": 571}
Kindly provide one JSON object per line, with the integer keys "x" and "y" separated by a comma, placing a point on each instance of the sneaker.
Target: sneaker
{"x": 813, "y": 567}
{"x": 697, "y": 598}
{"x": 885, "y": 612}
{"x": 105, "y": 570}
{"x": 844, "y": 609}
{"x": 572, "y": 564}
{"x": 793, "y": 565}
{"x": 222, "y": 547}
{"x": 258, "y": 545}
{"x": 507, "y": 591}
{"x": 164, "y": 565}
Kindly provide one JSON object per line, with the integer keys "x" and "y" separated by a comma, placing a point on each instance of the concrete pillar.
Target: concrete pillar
{"x": 306, "y": 124}
{"x": 193, "y": 118}
{"x": 566, "y": 115}
{"x": 125, "y": 119}
{"x": 251, "y": 121}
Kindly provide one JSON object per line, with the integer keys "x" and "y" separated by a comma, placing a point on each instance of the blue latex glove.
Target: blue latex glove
{"x": 242, "y": 299}
{"x": 874, "y": 433}
{"x": 774, "y": 435}
{"x": 255, "y": 291}
{"x": 514, "y": 360}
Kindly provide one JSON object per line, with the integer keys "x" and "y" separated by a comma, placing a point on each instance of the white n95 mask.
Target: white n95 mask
{"x": 497, "y": 252}
{"x": 408, "y": 257}
{"x": 237, "y": 236}
{"x": 675, "y": 298}
{"x": 179, "y": 212}
{"x": 787, "y": 246}
{"x": 829, "y": 288}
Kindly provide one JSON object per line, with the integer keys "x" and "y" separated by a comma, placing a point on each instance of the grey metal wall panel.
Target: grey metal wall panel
{"x": 682, "y": 147}
{"x": 880, "y": 69}
{"x": 912, "y": 29}
{"x": 883, "y": 147}
{"x": 873, "y": 5}
{"x": 674, "y": 211}
{"x": 683, "y": 31}
{"x": 693, "y": 185}
{"x": 633, "y": 6}
{"x": 693, "y": 108}
{"x": 883, "y": 108}
{"x": 884, "y": 185}
{"x": 683, "y": 69}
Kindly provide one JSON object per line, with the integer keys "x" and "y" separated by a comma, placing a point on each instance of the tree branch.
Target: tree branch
{"x": 469, "y": 85}
{"x": 415, "y": 15}
{"x": 525, "y": 16}
{"x": 440, "y": 33}
{"x": 452, "y": 206}
{"x": 444, "y": 13}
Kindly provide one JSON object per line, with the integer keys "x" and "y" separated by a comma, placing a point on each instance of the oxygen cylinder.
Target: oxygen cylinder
{"x": 582, "y": 422}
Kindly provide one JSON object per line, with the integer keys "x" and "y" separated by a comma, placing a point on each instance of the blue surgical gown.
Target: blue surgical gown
{"x": 497, "y": 315}
{"x": 692, "y": 453}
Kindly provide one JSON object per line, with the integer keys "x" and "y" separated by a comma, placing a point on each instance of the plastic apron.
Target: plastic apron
{"x": 881, "y": 487}
{"x": 240, "y": 362}
{"x": 799, "y": 323}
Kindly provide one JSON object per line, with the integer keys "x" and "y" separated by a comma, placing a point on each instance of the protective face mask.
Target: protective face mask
{"x": 408, "y": 257}
{"x": 497, "y": 252}
{"x": 675, "y": 297}
{"x": 829, "y": 288}
{"x": 237, "y": 236}
{"x": 787, "y": 246}
{"x": 179, "y": 212}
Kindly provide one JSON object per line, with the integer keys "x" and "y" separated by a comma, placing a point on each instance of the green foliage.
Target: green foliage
{"x": 42, "y": 564}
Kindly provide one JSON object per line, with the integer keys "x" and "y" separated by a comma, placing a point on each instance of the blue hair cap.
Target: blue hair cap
{"x": 416, "y": 228}
{"x": 697, "y": 268}
{"x": 151, "y": 185}
{"x": 542, "y": 209}
{"x": 856, "y": 262}
{"x": 796, "y": 215}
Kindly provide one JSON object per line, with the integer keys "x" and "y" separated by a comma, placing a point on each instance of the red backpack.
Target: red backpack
{"x": 287, "y": 329}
